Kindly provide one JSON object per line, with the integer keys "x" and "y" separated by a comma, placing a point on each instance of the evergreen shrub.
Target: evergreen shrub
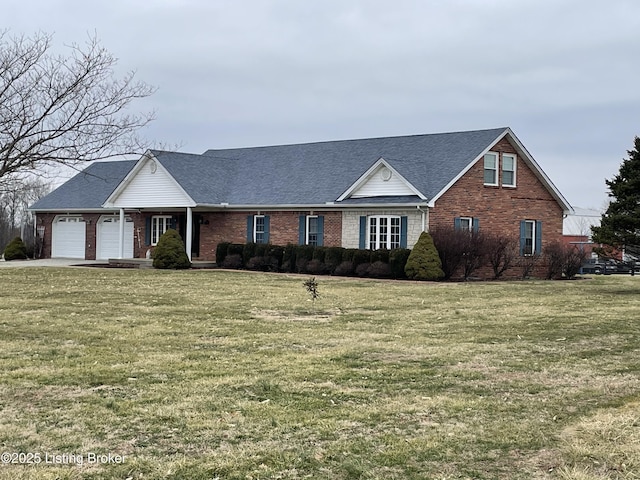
{"x": 170, "y": 252}
{"x": 15, "y": 250}
{"x": 424, "y": 262}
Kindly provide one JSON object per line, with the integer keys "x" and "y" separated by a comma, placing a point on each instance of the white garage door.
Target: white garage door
{"x": 68, "y": 237}
{"x": 108, "y": 233}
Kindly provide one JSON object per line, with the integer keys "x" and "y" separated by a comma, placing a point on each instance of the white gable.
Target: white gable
{"x": 381, "y": 180}
{"x": 149, "y": 185}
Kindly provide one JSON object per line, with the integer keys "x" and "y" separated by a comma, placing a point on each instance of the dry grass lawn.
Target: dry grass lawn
{"x": 235, "y": 375}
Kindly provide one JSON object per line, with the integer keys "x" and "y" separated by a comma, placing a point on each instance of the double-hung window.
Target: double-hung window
{"x": 384, "y": 232}
{"x": 508, "y": 170}
{"x": 259, "y": 229}
{"x": 464, "y": 223}
{"x": 530, "y": 237}
{"x": 313, "y": 230}
{"x": 159, "y": 225}
{"x": 493, "y": 175}
{"x": 491, "y": 169}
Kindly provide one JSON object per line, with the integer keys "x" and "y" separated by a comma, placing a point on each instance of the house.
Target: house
{"x": 576, "y": 228}
{"x": 368, "y": 193}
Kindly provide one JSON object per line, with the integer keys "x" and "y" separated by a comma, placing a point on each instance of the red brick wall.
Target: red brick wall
{"x": 500, "y": 209}
{"x": 91, "y": 222}
{"x": 284, "y": 226}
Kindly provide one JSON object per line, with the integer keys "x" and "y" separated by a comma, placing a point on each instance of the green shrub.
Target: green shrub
{"x": 360, "y": 257}
{"x": 381, "y": 255}
{"x": 170, "y": 252}
{"x": 333, "y": 258}
{"x": 248, "y": 252}
{"x": 397, "y": 261}
{"x": 222, "y": 250}
{"x": 424, "y": 262}
{"x": 289, "y": 258}
{"x": 15, "y": 250}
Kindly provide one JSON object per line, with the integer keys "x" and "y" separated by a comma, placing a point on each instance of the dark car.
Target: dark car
{"x": 608, "y": 267}
{"x": 599, "y": 267}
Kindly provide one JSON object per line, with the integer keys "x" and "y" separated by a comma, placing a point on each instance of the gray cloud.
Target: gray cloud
{"x": 563, "y": 74}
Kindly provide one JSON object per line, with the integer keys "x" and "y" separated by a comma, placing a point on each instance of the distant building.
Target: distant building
{"x": 576, "y": 228}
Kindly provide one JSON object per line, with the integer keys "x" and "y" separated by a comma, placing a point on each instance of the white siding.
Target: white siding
{"x": 377, "y": 186}
{"x": 152, "y": 188}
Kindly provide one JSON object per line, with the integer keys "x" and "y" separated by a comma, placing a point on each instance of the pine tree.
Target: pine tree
{"x": 620, "y": 224}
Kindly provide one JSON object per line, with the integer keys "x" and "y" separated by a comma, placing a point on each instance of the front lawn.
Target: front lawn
{"x": 143, "y": 374}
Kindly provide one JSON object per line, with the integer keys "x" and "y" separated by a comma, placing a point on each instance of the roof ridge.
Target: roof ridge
{"x": 364, "y": 139}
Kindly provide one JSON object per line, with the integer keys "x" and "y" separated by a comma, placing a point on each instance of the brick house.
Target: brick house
{"x": 368, "y": 193}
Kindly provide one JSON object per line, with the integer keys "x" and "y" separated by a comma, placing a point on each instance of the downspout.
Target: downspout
{"x": 424, "y": 218}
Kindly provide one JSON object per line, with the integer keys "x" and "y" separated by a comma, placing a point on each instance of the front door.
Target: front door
{"x": 195, "y": 237}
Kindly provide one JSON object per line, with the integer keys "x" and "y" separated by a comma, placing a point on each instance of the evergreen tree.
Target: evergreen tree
{"x": 620, "y": 224}
{"x": 424, "y": 262}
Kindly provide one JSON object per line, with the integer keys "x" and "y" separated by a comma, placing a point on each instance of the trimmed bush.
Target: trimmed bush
{"x": 397, "y": 260}
{"x": 424, "y": 262}
{"x": 345, "y": 269}
{"x": 362, "y": 270}
{"x": 170, "y": 253}
{"x": 233, "y": 261}
{"x": 379, "y": 269}
{"x": 15, "y": 250}
{"x": 333, "y": 258}
{"x": 221, "y": 252}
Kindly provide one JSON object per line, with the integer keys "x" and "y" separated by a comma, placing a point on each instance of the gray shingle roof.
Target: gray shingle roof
{"x": 317, "y": 173}
{"x": 88, "y": 189}
{"x": 300, "y": 174}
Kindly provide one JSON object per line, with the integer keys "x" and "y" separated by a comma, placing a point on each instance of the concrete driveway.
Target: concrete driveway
{"x": 47, "y": 262}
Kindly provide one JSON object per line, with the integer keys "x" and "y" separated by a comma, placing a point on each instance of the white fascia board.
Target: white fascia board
{"x": 366, "y": 175}
{"x": 320, "y": 206}
{"x": 537, "y": 170}
{"x": 73, "y": 210}
{"x": 110, "y": 202}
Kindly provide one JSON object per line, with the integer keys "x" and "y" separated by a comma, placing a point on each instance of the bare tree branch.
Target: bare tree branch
{"x": 63, "y": 110}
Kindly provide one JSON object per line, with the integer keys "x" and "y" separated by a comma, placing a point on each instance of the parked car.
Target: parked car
{"x": 599, "y": 267}
{"x": 608, "y": 267}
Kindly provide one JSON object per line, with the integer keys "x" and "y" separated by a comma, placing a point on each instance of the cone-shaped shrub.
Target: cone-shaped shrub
{"x": 424, "y": 262}
{"x": 170, "y": 253}
{"x": 15, "y": 250}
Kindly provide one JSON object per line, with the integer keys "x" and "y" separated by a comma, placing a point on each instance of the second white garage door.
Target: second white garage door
{"x": 108, "y": 238}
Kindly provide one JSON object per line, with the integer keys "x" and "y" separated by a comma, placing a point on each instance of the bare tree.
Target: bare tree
{"x": 15, "y": 219}
{"x": 502, "y": 252}
{"x": 63, "y": 110}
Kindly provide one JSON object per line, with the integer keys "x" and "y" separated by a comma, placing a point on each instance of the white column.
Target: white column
{"x": 189, "y": 232}
{"x": 121, "y": 239}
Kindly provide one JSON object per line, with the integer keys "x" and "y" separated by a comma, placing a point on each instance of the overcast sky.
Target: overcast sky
{"x": 563, "y": 74}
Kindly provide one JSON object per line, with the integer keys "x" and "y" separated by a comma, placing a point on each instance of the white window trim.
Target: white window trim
{"x": 533, "y": 238}
{"x": 470, "y": 220}
{"x": 306, "y": 233}
{"x": 515, "y": 168}
{"x": 497, "y": 168}
{"x": 255, "y": 228}
{"x": 155, "y": 230}
{"x": 389, "y": 240}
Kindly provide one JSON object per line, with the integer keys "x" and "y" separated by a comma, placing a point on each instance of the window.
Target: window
{"x": 314, "y": 230}
{"x": 159, "y": 225}
{"x": 491, "y": 169}
{"x": 508, "y": 170}
{"x": 384, "y": 232}
{"x": 464, "y": 223}
{"x": 530, "y": 237}
{"x": 259, "y": 229}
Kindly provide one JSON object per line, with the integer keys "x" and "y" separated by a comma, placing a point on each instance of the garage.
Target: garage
{"x": 108, "y": 237}
{"x": 68, "y": 237}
